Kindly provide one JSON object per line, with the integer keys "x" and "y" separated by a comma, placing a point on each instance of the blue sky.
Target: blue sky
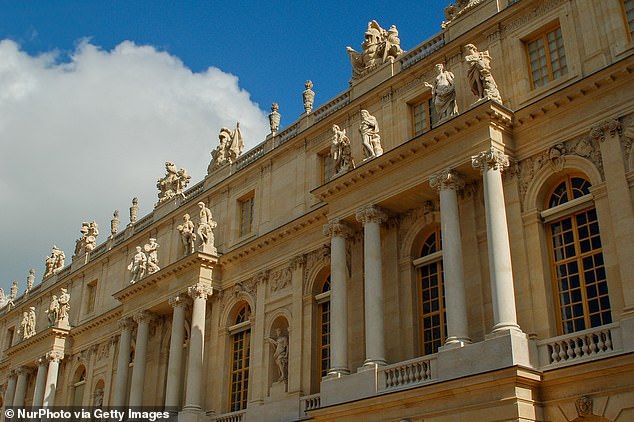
{"x": 96, "y": 96}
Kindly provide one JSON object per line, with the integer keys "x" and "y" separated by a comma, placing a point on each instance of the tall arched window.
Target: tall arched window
{"x": 431, "y": 294}
{"x": 323, "y": 301}
{"x": 581, "y": 289}
{"x": 240, "y": 350}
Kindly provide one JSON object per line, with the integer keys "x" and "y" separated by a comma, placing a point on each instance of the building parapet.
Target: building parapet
{"x": 407, "y": 374}
{"x": 332, "y": 106}
{"x": 423, "y": 50}
{"x": 310, "y": 403}
{"x": 237, "y": 416}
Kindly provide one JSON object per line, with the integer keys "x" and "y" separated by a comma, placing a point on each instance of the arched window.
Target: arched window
{"x": 240, "y": 350}
{"x": 581, "y": 289}
{"x": 431, "y": 294}
{"x": 323, "y": 301}
{"x": 79, "y": 386}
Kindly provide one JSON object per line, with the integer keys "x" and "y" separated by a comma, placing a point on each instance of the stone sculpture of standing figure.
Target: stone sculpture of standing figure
{"x": 443, "y": 92}
{"x": 14, "y": 290}
{"x": 173, "y": 183}
{"x": 188, "y": 237}
{"x": 480, "y": 78}
{"x": 205, "y": 229}
{"x": 340, "y": 151}
{"x": 280, "y": 342}
{"x": 274, "y": 118}
{"x": 27, "y": 325}
{"x": 138, "y": 265}
{"x": 64, "y": 307}
{"x": 370, "y": 135}
{"x": 151, "y": 249}
{"x": 308, "y": 96}
{"x": 52, "y": 314}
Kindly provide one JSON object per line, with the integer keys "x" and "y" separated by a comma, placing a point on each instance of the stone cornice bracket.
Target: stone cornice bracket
{"x": 126, "y": 323}
{"x": 297, "y": 261}
{"x": 144, "y": 316}
{"x": 179, "y": 301}
{"x": 337, "y": 228}
{"x": 370, "y": 214}
{"x": 446, "y": 179}
{"x": 611, "y": 127}
{"x": 54, "y": 356}
{"x": 200, "y": 291}
{"x": 492, "y": 159}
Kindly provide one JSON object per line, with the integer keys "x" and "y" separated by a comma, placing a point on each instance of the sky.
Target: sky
{"x": 95, "y": 96}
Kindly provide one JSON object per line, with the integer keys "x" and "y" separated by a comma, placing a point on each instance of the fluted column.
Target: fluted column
{"x": 40, "y": 381}
{"x": 123, "y": 362}
{"x": 143, "y": 320}
{"x": 338, "y": 232}
{"x": 372, "y": 217}
{"x": 175, "y": 364}
{"x": 51, "y": 378}
{"x": 10, "y": 393}
{"x": 491, "y": 163}
{"x": 199, "y": 293}
{"x": 20, "y": 389}
{"x": 448, "y": 182}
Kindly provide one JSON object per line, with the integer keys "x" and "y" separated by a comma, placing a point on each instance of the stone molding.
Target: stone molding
{"x": 607, "y": 127}
{"x": 200, "y": 291}
{"x": 297, "y": 262}
{"x": 144, "y": 316}
{"x": 54, "y": 356}
{"x": 532, "y": 15}
{"x": 492, "y": 159}
{"x": 446, "y": 179}
{"x": 179, "y": 301}
{"x": 337, "y": 228}
{"x": 126, "y": 323}
{"x": 370, "y": 214}
{"x": 280, "y": 279}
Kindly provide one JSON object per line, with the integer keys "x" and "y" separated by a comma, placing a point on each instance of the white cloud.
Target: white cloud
{"x": 82, "y": 137}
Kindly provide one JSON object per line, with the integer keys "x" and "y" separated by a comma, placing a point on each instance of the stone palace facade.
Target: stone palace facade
{"x": 451, "y": 238}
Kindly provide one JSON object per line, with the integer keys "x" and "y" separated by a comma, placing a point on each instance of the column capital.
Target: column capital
{"x": 41, "y": 361}
{"x": 180, "y": 300}
{"x": 370, "y": 214}
{"x": 200, "y": 290}
{"x": 446, "y": 179}
{"x": 491, "y": 159}
{"x": 54, "y": 356}
{"x": 126, "y": 323}
{"x": 144, "y": 316}
{"x": 12, "y": 373}
{"x": 607, "y": 127}
{"x": 337, "y": 228}
{"x": 23, "y": 370}
{"x": 297, "y": 261}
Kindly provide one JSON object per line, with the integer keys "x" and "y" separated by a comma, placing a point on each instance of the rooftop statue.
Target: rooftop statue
{"x": 230, "y": 147}
{"x": 134, "y": 210}
{"x": 55, "y": 262}
{"x": 458, "y": 8}
{"x": 378, "y": 47}
{"x": 308, "y": 96}
{"x": 88, "y": 240}
{"x": 4, "y": 300}
{"x": 173, "y": 183}
{"x": 188, "y": 237}
{"x": 274, "y": 118}
{"x": 340, "y": 151}
{"x": 480, "y": 78}
{"x": 369, "y": 129}
{"x": 30, "y": 279}
{"x": 14, "y": 290}
{"x": 443, "y": 92}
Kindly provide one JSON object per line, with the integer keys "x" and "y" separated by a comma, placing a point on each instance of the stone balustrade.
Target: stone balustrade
{"x": 252, "y": 155}
{"x": 231, "y": 417}
{"x": 311, "y": 402}
{"x": 423, "y": 50}
{"x": 144, "y": 222}
{"x": 194, "y": 191}
{"x": 332, "y": 106}
{"x": 288, "y": 133}
{"x": 406, "y": 374}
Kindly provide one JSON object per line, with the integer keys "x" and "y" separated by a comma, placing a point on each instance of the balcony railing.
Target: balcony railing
{"x": 311, "y": 402}
{"x": 237, "y": 416}
{"x": 407, "y": 374}
{"x": 580, "y": 346}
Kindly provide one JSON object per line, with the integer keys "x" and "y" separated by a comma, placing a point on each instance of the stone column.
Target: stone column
{"x": 175, "y": 364}
{"x": 372, "y": 217}
{"x": 10, "y": 393}
{"x": 40, "y": 381}
{"x": 51, "y": 378}
{"x": 491, "y": 163}
{"x": 448, "y": 182}
{"x": 143, "y": 320}
{"x": 123, "y": 363}
{"x": 338, "y": 231}
{"x": 193, "y": 398}
{"x": 20, "y": 389}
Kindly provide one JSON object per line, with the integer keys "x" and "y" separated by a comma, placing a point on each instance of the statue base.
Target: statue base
{"x": 210, "y": 249}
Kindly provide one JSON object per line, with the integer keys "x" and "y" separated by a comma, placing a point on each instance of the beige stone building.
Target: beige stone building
{"x": 476, "y": 264}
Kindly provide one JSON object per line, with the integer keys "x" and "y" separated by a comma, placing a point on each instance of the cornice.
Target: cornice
{"x": 487, "y": 113}
{"x": 50, "y": 333}
{"x": 106, "y": 318}
{"x": 196, "y": 259}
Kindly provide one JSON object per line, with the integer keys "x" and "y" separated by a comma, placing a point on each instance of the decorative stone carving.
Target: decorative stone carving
{"x": 584, "y": 406}
{"x": 4, "y": 300}
{"x": 443, "y": 92}
{"x": 340, "y": 151}
{"x": 308, "y": 96}
{"x": 337, "y": 228}
{"x": 205, "y": 230}
{"x": 14, "y": 290}
{"x": 30, "y": 279}
{"x": 280, "y": 343}
{"x": 493, "y": 159}
{"x": 479, "y": 75}
{"x": 274, "y": 118}
{"x": 88, "y": 240}
{"x": 138, "y": 265}
{"x": 379, "y": 46}
{"x": 200, "y": 290}
{"x": 230, "y": 147}
{"x": 55, "y": 262}
{"x": 64, "y": 307}
{"x": 27, "y": 325}
{"x": 604, "y": 128}
{"x": 370, "y": 214}
{"x": 151, "y": 250}
{"x": 188, "y": 237}
{"x": 114, "y": 223}
{"x": 369, "y": 130}
{"x": 134, "y": 210}
{"x": 54, "y": 356}
{"x": 172, "y": 184}
{"x": 179, "y": 300}
{"x": 446, "y": 179}
{"x": 457, "y": 9}
{"x": 297, "y": 261}
{"x": 52, "y": 314}
{"x": 144, "y": 316}
{"x": 281, "y": 279}
{"x": 98, "y": 397}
